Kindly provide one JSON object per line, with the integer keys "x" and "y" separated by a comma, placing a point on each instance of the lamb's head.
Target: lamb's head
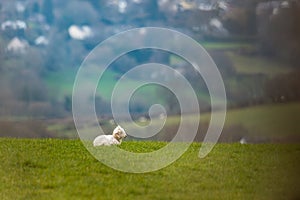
{"x": 119, "y": 133}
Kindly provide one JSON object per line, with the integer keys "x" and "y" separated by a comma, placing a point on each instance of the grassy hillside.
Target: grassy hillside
{"x": 63, "y": 169}
{"x": 266, "y": 123}
{"x": 274, "y": 122}
{"x": 278, "y": 120}
{"x": 252, "y": 65}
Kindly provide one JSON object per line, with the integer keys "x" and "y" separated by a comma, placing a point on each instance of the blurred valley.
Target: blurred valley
{"x": 254, "y": 43}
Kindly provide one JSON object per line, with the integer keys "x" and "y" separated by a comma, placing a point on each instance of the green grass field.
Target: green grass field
{"x": 63, "y": 169}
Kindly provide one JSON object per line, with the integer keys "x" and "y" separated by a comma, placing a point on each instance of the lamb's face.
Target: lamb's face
{"x": 119, "y": 132}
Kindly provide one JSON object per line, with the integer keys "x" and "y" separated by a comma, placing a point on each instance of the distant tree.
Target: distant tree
{"x": 151, "y": 9}
{"x": 35, "y": 7}
{"x": 241, "y": 20}
{"x": 76, "y": 52}
{"x": 47, "y": 11}
{"x": 124, "y": 63}
{"x": 78, "y": 12}
{"x": 102, "y": 107}
{"x": 97, "y": 4}
{"x": 57, "y": 54}
{"x": 68, "y": 103}
{"x": 283, "y": 88}
{"x": 29, "y": 87}
{"x": 245, "y": 90}
{"x": 170, "y": 102}
{"x": 279, "y": 35}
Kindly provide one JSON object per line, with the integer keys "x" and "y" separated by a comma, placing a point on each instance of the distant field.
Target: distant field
{"x": 265, "y": 123}
{"x": 252, "y": 65}
{"x": 61, "y": 84}
{"x": 226, "y": 45}
{"x": 277, "y": 120}
{"x": 63, "y": 169}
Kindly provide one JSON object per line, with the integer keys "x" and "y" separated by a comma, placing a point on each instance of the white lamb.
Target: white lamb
{"x": 116, "y": 138}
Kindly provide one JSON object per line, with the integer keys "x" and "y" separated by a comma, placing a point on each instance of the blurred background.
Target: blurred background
{"x": 254, "y": 43}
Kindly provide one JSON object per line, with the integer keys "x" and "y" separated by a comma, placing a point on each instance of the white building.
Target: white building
{"x": 80, "y": 32}
{"x": 17, "y": 46}
{"x": 14, "y": 25}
